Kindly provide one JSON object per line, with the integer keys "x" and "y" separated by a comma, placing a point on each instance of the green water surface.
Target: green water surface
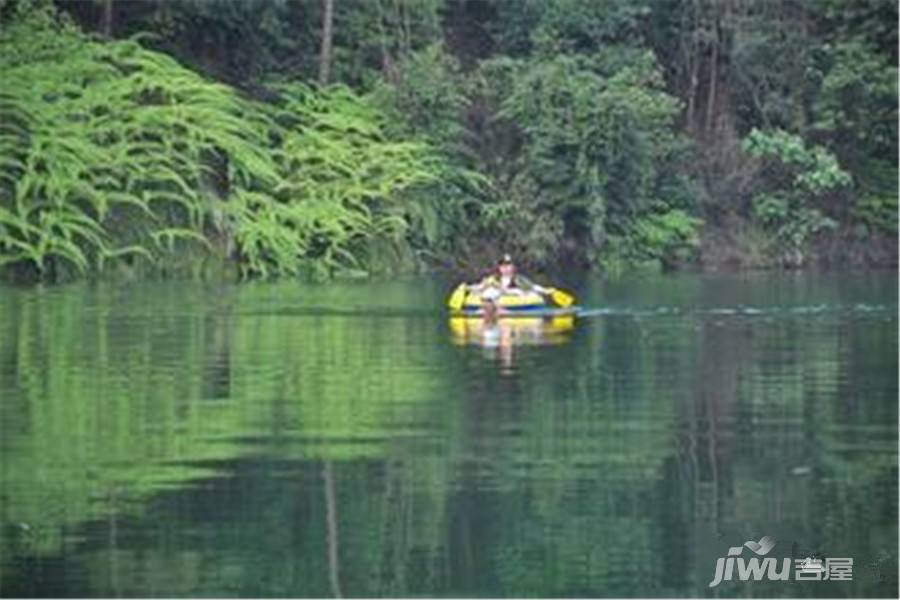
{"x": 283, "y": 439}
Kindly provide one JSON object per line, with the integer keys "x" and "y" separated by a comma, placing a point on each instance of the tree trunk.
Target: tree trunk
{"x": 106, "y": 25}
{"x": 693, "y": 75}
{"x": 713, "y": 77}
{"x": 325, "y": 53}
{"x": 387, "y": 63}
{"x": 692, "y": 62}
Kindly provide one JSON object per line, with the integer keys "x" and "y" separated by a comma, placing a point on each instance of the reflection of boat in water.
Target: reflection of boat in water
{"x": 502, "y": 321}
{"x": 552, "y": 327}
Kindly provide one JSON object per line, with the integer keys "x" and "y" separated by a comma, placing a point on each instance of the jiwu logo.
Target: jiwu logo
{"x": 754, "y": 568}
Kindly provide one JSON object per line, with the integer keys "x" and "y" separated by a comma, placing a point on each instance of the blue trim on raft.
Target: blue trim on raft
{"x": 506, "y": 309}
{"x": 538, "y": 310}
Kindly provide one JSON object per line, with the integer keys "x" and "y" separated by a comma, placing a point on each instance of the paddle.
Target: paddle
{"x": 455, "y": 302}
{"x": 561, "y": 298}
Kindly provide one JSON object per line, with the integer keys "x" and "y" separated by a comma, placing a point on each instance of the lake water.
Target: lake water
{"x": 281, "y": 439}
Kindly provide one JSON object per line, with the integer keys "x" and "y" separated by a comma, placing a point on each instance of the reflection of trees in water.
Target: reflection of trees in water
{"x": 121, "y": 401}
{"x": 114, "y": 577}
{"x": 594, "y": 468}
{"x": 334, "y": 576}
{"x": 217, "y": 330}
{"x": 760, "y": 447}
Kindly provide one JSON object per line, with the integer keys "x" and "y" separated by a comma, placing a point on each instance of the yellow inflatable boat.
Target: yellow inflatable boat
{"x": 514, "y": 303}
{"x": 520, "y": 302}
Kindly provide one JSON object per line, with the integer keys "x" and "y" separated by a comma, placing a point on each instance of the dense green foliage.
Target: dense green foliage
{"x": 108, "y": 149}
{"x": 793, "y": 179}
{"x": 601, "y": 134}
{"x": 114, "y": 151}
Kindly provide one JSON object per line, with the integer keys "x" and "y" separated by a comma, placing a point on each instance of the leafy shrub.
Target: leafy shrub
{"x": 664, "y": 238}
{"x": 793, "y": 225}
{"x": 810, "y": 170}
{"x": 878, "y": 212}
{"x": 425, "y": 98}
{"x": 795, "y": 177}
{"x": 594, "y": 147}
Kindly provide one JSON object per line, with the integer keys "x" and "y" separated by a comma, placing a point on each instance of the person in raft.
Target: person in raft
{"x": 505, "y": 279}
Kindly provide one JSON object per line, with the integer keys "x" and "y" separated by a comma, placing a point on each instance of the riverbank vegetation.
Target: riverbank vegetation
{"x": 274, "y": 137}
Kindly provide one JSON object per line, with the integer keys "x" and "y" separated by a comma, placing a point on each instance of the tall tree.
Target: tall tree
{"x": 107, "y": 25}
{"x": 325, "y": 53}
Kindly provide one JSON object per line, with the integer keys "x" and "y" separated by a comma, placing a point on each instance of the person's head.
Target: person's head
{"x": 505, "y": 266}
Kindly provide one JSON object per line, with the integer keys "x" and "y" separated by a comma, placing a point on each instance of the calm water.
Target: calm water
{"x": 279, "y": 439}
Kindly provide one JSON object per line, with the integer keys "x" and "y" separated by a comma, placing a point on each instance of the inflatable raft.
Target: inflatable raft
{"x": 520, "y": 303}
